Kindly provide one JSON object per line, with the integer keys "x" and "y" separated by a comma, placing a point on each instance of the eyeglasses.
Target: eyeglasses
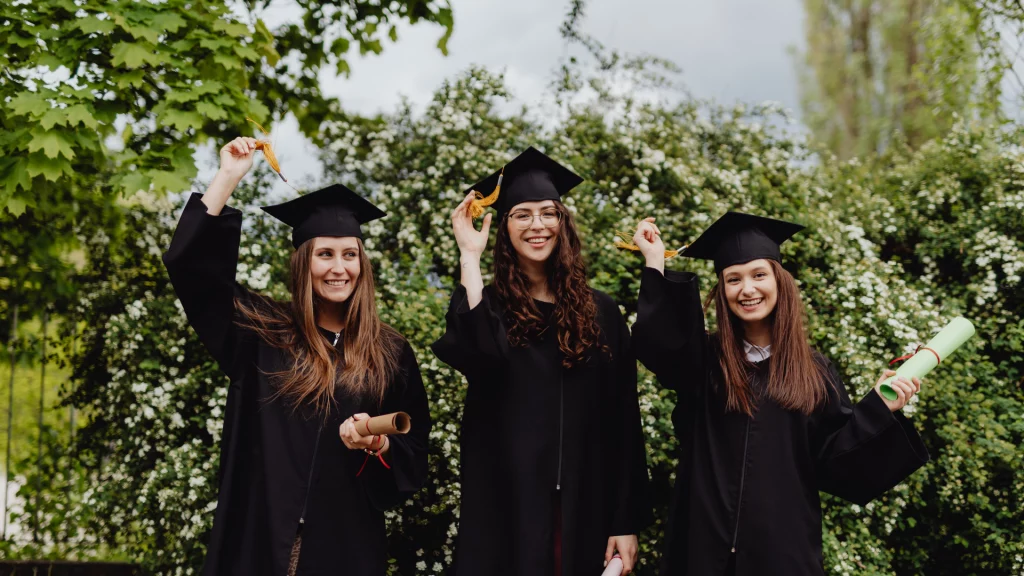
{"x": 548, "y": 218}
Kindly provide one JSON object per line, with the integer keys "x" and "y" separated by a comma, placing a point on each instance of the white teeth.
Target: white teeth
{"x": 754, "y": 302}
{"x": 336, "y": 282}
{"x": 537, "y": 240}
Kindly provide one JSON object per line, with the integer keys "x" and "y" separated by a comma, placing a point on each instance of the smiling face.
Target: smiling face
{"x": 533, "y": 229}
{"x": 751, "y": 290}
{"x": 334, "y": 267}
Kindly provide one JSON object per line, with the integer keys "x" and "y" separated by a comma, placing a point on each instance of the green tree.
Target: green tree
{"x": 892, "y": 252}
{"x": 878, "y": 69}
{"x": 101, "y": 99}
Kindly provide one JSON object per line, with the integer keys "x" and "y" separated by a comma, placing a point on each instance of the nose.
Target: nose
{"x": 536, "y": 224}
{"x": 337, "y": 266}
{"x": 748, "y": 288}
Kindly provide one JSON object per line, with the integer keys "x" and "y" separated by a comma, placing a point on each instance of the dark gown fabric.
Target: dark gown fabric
{"x": 746, "y": 492}
{"x": 533, "y": 433}
{"x": 278, "y": 465}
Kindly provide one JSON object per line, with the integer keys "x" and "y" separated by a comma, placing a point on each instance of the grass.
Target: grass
{"x": 22, "y": 416}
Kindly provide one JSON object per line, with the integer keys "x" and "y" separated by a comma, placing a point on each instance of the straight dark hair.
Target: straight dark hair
{"x": 796, "y": 381}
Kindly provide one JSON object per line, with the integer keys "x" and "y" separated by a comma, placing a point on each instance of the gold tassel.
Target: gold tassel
{"x": 293, "y": 558}
{"x": 476, "y": 207}
{"x": 628, "y": 244}
{"x": 268, "y": 150}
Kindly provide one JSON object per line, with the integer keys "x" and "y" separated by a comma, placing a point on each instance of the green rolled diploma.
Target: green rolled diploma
{"x": 958, "y": 331}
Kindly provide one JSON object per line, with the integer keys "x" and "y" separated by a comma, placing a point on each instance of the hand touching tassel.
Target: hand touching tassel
{"x": 476, "y": 207}
{"x": 624, "y": 240}
{"x": 268, "y": 150}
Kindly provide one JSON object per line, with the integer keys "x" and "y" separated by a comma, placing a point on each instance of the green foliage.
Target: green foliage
{"x": 102, "y": 99}
{"x": 907, "y": 69}
{"x": 893, "y": 251}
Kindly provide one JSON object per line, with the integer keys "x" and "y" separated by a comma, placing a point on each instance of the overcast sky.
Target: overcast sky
{"x": 729, "y": 50}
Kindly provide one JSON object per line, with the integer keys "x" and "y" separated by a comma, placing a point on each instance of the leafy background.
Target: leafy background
{"x": 904, "y": 234}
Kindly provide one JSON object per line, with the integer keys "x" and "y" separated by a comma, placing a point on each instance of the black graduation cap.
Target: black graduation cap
{"x": 530, "y": 177}
{"x": 332, "y": 211}
{"x": 738, "y": 238}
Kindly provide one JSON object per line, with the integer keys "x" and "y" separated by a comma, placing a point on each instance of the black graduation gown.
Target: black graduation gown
{"x": 278, "y": 466}
{"x": 750, "y": 485}
{"x": 531, "y": 429}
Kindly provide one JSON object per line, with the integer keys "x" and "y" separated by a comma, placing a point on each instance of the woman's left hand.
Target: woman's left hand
{"x": 353, "y": 440}
{"x": 627, "y": 547}
{"x": 905, "y": 390}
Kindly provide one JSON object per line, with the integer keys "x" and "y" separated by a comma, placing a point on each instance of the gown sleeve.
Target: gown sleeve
{"x": 407, "y": 455}
{"x": 632, "y": 510}
{"x": 865, "y": 449}
{"x": 669, "y": 336}
{"x": 201, "y": 262}
{"x": 474, "y": 340}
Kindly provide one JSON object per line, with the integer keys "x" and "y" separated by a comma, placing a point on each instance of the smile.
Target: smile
{"x": 337, "y": 283}
{"x": 751, "y": 303}
{"x": 537, "y": 241}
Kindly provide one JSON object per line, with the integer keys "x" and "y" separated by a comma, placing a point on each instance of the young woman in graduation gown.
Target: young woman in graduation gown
{"x": 763, "y": 421}
{"x": 293, "y": 496}
{"x": 553, "y": 467}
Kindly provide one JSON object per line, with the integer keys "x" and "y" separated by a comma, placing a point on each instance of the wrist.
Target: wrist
{"x": 469, "y": 259}
{"x": 657, "y": 262}
{"x": 231, "y": 176}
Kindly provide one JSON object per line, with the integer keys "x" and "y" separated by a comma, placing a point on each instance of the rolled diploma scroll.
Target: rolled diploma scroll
{"x": 614, "y": 567}
{"x": 394, "y": 423}
{"x": 958, "y": 331}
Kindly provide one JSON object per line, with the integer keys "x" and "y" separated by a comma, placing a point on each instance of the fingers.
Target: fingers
{"x": 885, "y": 375}
{"x": 609, "y": 550}
{"x": 917, "y": 384}
{"x": 241, "y": 146}
{"x": 909, "y": 387}
{"x": 902, "y": 392}
{"x": 487, "y": 225}
{"x": 350, "y": 436}
{"x": 628, "y": 557}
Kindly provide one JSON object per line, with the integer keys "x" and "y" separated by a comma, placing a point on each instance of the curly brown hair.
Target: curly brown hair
{"x": 575, "y": 312}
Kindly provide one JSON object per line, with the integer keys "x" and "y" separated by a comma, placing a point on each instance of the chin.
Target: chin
{"x": 541, "y": 258}
{"x": 335, "y": 298}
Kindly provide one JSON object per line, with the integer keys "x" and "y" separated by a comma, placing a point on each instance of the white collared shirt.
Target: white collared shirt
{"x": 756, "y": 353}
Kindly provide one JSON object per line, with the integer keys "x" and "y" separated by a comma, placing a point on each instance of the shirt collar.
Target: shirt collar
{"x": 756, "y": 353}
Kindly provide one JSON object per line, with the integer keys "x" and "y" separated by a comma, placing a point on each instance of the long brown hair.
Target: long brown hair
{"x": 371, "y": 347}
{"x": 795, "y": 380}
{"x": 575, "y": 310}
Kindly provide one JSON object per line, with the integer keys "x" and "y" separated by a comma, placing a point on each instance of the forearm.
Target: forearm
{"x": 220, "y": 189}
{"x": 472, "y": 279}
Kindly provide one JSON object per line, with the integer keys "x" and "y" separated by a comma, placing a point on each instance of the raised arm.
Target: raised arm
{"x": 203, "y": 254}
{"x": 669, "y": 336}
{"x": 472, "y": 244}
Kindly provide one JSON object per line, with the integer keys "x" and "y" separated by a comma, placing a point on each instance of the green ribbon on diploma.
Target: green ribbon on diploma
{"x": 927, "y": 357}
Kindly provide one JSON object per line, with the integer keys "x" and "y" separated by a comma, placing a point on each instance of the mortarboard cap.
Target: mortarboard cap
{"x": 332, "y": 211}
{"x": 738, "y": 238}
{"x": 530, "y": 177}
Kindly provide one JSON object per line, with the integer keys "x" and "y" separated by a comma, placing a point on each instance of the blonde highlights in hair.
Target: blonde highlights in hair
{"x": 365, "y": 364}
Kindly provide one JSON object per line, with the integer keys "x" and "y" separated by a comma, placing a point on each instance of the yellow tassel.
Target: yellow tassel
{"x": 627, "y": 244}
{"x": 476, "y": 207}
{"x": 268, "y": 150}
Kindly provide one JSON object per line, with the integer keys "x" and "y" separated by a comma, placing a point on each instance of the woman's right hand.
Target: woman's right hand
{"x": 472, "y": 242}
{"x": 648, "y": 239}
{"x": 236, "y": 156}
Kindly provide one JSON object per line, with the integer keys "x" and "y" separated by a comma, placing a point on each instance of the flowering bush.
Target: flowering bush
{"x": 894, "y": 249}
